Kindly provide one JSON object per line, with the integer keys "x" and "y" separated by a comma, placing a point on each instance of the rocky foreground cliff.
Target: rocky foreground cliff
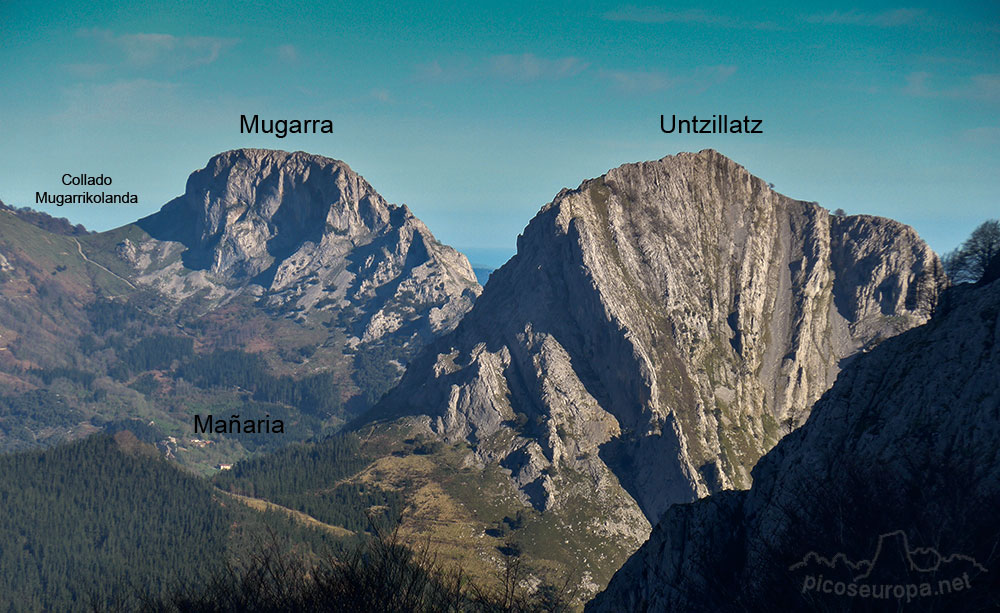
{"x": 658, "y": 330}
{"x": 884, "y": 500}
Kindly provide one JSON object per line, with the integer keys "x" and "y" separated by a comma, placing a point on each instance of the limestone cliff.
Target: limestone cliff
{"x": 306, "y": 233}
{"x": 894, "y": 480}
{"x": 658, "y": 330}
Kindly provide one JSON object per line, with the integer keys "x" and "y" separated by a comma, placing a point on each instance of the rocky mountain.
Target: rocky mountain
{"x": 658, "y": 330}
{"x": 279, "y": 283}
{"x": 885, "y": 499}
{"x": 305, "y": 233}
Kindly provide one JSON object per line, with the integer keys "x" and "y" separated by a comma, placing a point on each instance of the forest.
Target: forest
{"x": 129, "y": 519}
{"x": 317, "y": 394}
{"x": 308, "y": 477}
{"x": 130, "y": 527}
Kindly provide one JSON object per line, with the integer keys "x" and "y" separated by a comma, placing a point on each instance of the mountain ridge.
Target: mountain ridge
{"x": 301, "y": 229}
{"x": 659, "y": 328}
{"x": 612, "y": 267}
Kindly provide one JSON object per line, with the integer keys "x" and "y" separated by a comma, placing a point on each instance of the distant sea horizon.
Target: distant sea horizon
{"x": 485, "y": 260}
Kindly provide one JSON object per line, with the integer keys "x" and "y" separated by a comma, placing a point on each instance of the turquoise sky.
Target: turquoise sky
{"x": 476, "y": 116}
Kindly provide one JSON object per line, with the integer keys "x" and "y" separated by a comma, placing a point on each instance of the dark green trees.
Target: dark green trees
{"x": 969, "y": 262}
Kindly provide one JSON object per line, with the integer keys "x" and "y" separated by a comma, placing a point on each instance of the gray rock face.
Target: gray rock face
{"x": 659, "y": 329}
{"x": 308, "y": 233}
{"x": 897, "y": 470}
{"x": 126, "y": 251}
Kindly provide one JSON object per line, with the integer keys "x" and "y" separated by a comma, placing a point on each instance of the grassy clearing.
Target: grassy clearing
{"x": 259, "y": 504}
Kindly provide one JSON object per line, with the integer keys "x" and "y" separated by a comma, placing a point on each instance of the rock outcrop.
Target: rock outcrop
{"x": 658, "y": 330}
{"x": 884, "y": 500}
{"x": 306, "y": 233}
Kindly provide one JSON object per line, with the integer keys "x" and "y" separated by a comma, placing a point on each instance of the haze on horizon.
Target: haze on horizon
{"x": 475, "y": 117}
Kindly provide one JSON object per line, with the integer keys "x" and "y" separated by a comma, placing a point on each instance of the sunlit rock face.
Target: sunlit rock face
{"x": 658, "y": 330}
{"x": 304, "y": 232}
{"x": 893, "y": 481}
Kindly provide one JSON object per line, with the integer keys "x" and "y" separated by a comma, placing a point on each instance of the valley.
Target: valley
{"x": 659, "y": 329}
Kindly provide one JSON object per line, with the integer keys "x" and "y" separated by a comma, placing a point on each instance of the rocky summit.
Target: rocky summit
{"x": 884, "y": 500}
{"x": 658, "y": 330}
{"x": 305, "y": 232}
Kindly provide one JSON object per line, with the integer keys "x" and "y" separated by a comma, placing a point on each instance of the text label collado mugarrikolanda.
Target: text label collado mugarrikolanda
{"x": 87, "y": 197}
{"x": 718, "y": 124}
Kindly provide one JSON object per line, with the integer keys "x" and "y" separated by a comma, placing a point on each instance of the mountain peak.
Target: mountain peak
{"x": 249, "y": 208}
{"x": 260, "y": 158}
{"x": 307, "y": 229}
{"x": 706, "y": 179}
{"x": 658, "y": 330}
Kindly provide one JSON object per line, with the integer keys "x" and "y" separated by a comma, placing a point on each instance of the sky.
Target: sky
{"x": 476, "y": 115}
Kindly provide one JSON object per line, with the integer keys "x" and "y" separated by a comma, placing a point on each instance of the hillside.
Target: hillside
{"x": 280, "y": 286}
{"x": 104, "y": 520}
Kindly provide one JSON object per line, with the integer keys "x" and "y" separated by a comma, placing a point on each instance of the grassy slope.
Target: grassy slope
{"x": 44, "y": 293}
{"x": 458, "y": 508}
